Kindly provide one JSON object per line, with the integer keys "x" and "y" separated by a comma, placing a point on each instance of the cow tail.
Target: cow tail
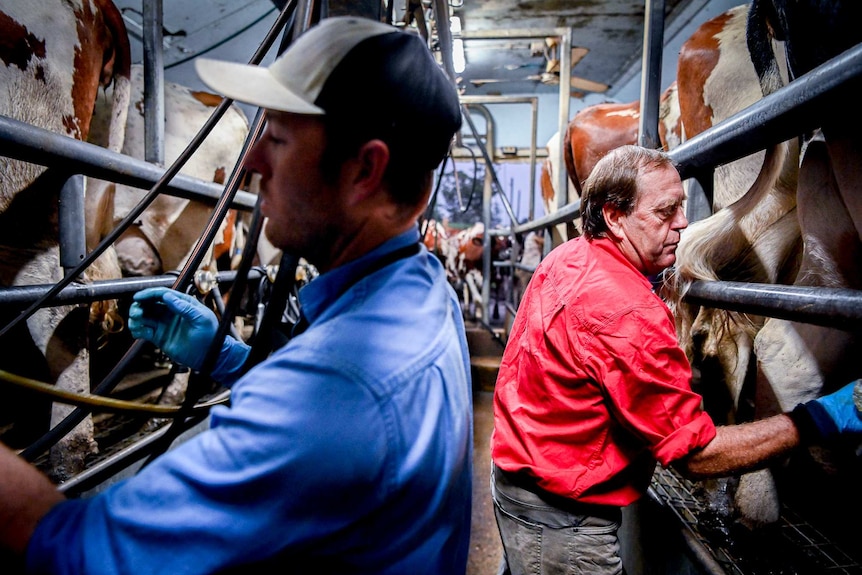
{"x": 569, "y": 160}
{"x": 120, "y": 74}
{"x": 116, "y": 71}
{"x": 722, "y": 245}
{"x": 759, "y": 35}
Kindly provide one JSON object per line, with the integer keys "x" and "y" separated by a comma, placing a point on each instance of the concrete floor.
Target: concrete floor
{"x": 485, "y": 548}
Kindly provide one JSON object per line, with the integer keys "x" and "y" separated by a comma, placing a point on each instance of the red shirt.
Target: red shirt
{"x": 593, "y": 388}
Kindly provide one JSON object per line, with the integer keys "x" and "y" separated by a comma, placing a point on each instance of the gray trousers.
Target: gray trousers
{"x": 544, "y": 534}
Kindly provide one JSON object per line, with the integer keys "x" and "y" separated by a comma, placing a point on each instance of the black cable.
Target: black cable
{"x": 473, "y": 188}
{"x": 432, "y": 203}
{"x": 65, "y": 426}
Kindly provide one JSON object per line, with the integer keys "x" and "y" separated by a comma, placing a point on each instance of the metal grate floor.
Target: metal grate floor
{"x": 792, "y": 547}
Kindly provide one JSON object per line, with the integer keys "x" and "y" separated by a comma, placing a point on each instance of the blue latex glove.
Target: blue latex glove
{"x": 184, "y": 329}
{"x": 834, "y": 414}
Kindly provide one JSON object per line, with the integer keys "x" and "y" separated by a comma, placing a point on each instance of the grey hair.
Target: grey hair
{"x": 613, "y": 181}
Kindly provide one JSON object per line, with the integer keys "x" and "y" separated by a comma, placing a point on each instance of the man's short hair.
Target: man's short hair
{"x": 614, "y": 181}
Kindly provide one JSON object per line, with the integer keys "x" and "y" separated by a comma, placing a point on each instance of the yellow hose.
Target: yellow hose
{"x": 107, "y": 404}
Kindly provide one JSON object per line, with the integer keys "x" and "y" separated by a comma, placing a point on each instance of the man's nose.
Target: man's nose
{"x": 680, "y": 221}
{"x": 252, "y": 162}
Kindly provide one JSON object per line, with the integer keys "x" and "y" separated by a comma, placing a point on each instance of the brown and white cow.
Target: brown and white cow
{"x": 753, "y": 232}
{"x": 796, "y": 361}
{"x": 548, "y": 179}
{"x": 716, "y": 79}
{"x": 56, "y": 55}
{"x": 783, "y": 232}
{"x": 162, "y": 239}
{"x": 461, "y": 250}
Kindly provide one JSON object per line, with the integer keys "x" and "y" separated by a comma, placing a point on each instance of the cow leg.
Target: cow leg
{"x": 60, "y": 333}
{"x": 24, "y": 415}
{"x": 63, "y": 335}
{"x": 797, "y": 362}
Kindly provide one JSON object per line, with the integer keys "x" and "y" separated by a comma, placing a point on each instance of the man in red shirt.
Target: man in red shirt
{"x": 594, "y": 388}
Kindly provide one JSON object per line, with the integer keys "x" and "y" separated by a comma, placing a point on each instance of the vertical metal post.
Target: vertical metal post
{"x": 533, "y": 138}
{"x": 303, "y": 19}
{"x": 651, "y": 73}
{"x": 565, "y": 99}
{"x": 699, "y": 194}
{"x": 154, "y": 84}
{"x": 487, "y": 192}
{"x": 73, "y": 238}
{"x": 444, "y": 36}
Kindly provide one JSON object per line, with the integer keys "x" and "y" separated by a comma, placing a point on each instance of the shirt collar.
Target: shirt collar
{"x": 327, "y": 287}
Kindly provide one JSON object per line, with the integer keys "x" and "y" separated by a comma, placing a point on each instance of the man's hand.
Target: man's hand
{"x": 178, "y": 324}
{"x": 835, "y": 413}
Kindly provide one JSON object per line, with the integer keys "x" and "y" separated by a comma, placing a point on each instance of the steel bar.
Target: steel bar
{"x": 29, "y": 143}
{"x": 154, "y": 83}
{"x": 653, "y": 47}
{"x": 73, "y": 240}
{"x": 830, "y": 307}
{"x": 79, "y": 293}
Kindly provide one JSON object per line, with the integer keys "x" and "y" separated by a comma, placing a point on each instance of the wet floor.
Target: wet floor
{"x": 485, "y": 548}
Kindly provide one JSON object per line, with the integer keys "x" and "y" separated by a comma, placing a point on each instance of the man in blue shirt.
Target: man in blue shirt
{"x": 348, "y": 450}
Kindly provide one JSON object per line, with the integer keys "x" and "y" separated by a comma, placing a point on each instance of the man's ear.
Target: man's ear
{"x": 372, "y": 159}
{"x": 613, "y": 219}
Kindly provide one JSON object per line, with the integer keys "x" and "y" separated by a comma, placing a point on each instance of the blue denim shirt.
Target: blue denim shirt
{"x": 347, "y": 451}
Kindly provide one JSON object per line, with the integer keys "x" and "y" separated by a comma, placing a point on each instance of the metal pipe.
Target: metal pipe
{"x": 512, "y": 34}
{"x": 444, "y": 37}
{"x": 831, "y": 307}
{"x": 565, "y": 214}
{"x": 534, "y": 118}
{"x": 653, "y": 47}
{"x": 486, "y": 155}
{"x": 565, "y": 96}
{"x": 28, "y": 143}
{"x": 73, "y": 237}
{"x": 487, "y": 191}
{"x": 154, "y": 84}
{"x": 76, "y": 293}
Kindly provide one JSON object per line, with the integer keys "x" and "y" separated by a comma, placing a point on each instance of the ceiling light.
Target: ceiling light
{"x": 458, "y": 60}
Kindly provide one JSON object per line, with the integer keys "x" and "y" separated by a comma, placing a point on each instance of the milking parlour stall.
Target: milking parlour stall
{"x": 93, "y": 215}
{"x": 765, "y": 291}
{"x": 114, "y": 180}
{"x": 117, "y": 174}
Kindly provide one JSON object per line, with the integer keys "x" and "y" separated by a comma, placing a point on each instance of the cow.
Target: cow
{"x": 463, "y": 265}
{"x": 435, "y": 237}
{"x": 797, "y": 224}
{"x": 162, "y": 238}
{"x": 716, "y": 79}
{"x": 548, "y": 179}
{"x": 829, "y": 197}
{"x": 754, "y": 223}
{"x": 461, "y": 251}
{"x": 56, "y": 56}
